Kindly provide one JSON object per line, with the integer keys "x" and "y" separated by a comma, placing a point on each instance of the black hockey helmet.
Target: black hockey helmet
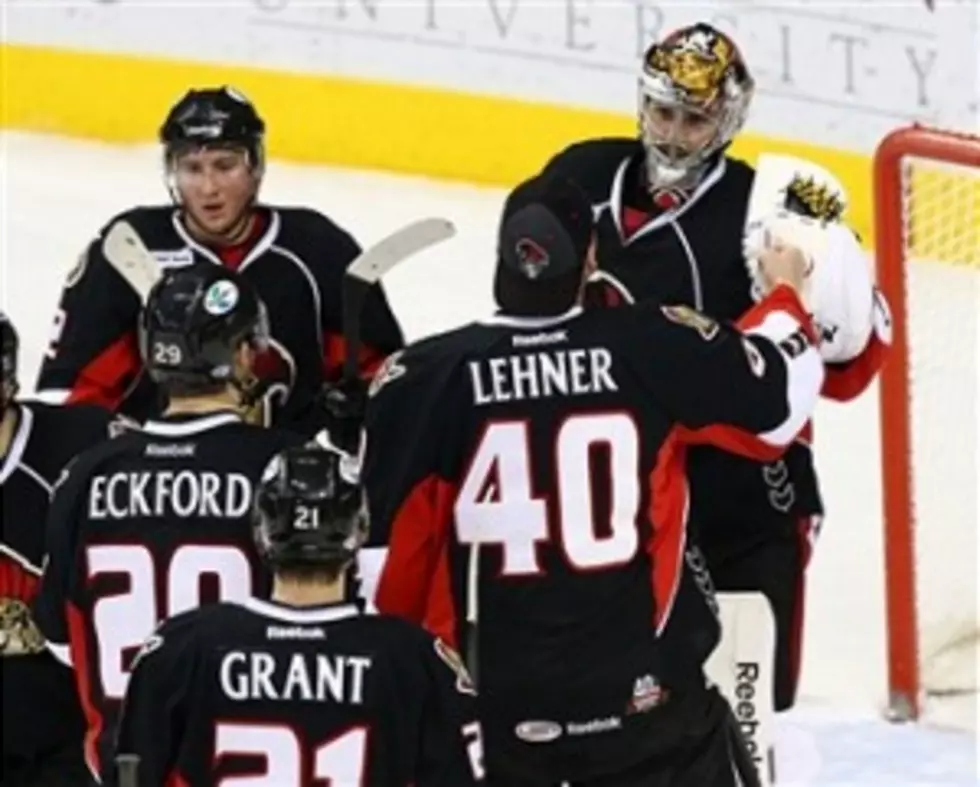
{"x": 310, "y": 510}
{"x": 214, "y": 117}
{"x": 194, "y": 321}
{"x": 9, "y": 348}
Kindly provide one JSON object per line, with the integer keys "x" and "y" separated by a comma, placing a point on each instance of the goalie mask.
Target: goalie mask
{"x": 694, "y": 95}
{"x": 9, "y": 347}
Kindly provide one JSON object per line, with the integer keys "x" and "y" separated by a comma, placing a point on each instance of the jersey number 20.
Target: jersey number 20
{"x": 123, "y": 621}
{"x": 496, "y": 504}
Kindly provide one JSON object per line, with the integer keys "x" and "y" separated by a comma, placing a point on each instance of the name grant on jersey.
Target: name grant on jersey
{"x": 168, "y": 493}
{"x": 540, "y": 375}
{"x": 318, "y": 677}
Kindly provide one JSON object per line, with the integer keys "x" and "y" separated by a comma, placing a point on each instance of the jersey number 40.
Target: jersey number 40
{"x": 496, "y": 504}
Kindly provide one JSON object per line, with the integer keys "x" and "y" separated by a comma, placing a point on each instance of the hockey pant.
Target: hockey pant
{"x": 717, "y": 758}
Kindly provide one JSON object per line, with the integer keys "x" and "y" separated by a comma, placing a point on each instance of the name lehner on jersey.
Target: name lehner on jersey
{"x": 572, "y": 372}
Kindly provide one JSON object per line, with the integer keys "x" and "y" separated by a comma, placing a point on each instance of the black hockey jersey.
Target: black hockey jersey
{"x": 691, "y": 253}
{"x": 295, "y": 258}
{"x": 529, "y": 474}
{"x": 146, "y": 526}
{"x": 41, "y": 713}
{"x": 286, "y": 696}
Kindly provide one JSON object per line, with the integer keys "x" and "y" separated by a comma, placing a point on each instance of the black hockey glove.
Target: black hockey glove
{"x": 343, "y": 405}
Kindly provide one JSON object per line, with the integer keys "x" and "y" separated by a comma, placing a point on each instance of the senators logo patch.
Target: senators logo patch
{"x": 389, "y": 371}
{"x": 464, "y": 683}
{"x": 815, "y": 200}
{"x": 19, "y": 635}
{"x": 692, "y": 318}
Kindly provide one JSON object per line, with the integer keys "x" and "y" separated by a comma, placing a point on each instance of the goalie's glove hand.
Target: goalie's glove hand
{"x": 343, "y": 405}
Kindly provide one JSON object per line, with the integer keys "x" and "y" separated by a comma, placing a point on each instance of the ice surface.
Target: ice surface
{"x": 55, "y": 194}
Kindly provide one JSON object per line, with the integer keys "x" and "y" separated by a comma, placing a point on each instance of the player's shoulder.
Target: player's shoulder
{"x": 317, "y": 238}
{"x": 191, "y": 630}
{"x": 593, "y": 163}
{"x": 217, "y": 617}
{"x": 396, "y": 635}
{"x": 739, "y": 175}
{"x": 73, "y": 419}
{"x": 88, "y": 461}
{"x": 149, "y": 221}
{"x": 415, "y": 647}
{"x": 268, "y": 438}
{"x": 252, "y": 444}
{"x": 433, "y": 361}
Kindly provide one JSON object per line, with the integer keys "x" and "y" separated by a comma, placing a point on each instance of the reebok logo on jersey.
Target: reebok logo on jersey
{"x": 594, "y": 726}
{"x": 295, "y": 632}
{"x": 177, "y": 258}
{"x": 538, "y": 339}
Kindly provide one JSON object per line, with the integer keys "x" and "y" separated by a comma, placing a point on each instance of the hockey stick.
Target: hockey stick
{"x": 375, "y": 262}
{"x": 125, "y": 251}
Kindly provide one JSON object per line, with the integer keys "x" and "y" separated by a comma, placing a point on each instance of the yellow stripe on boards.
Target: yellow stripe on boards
{"x": 330, "y": 120}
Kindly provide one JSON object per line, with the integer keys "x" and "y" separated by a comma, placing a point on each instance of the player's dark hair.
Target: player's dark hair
{"x": 194, "y": 323}
{"x": 310, "y": 514}
{"x": 9, "y": 349}
{"x": 214, "y": 117}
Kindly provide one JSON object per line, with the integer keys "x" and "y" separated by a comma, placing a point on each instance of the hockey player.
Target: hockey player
{"x": 42, "y": 719}
{"x": 528, "y": 472}
{"x": 214, "y": 157}
{"x": 672, "y": 208}
{"x": 305, "y": 689}
{"x": 157, "y": 520}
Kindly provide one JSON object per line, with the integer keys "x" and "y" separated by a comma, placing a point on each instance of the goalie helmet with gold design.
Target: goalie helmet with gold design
{"x": 694, "y": 96}
{"x": 9, "y": 347}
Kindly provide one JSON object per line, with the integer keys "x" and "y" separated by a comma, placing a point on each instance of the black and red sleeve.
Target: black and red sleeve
{"x": 410, "y": 491}
{"x": 748, "y": 388}
{"x": 93, "y": 355}
{"x": 848, "y": 380}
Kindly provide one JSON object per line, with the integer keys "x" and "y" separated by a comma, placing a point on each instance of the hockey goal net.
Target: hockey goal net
{"x": 927, "y": 223}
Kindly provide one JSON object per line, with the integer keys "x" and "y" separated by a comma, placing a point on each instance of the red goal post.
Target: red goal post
{"x": 927, "y": 209}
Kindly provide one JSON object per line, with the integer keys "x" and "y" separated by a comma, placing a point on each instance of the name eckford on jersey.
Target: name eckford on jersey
{"x": 260, "y": 675}
{"x": 169, "y": 493}
{"x": 572, "y": 372}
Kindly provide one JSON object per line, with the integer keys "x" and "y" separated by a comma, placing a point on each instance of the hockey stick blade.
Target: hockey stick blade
{"x": 125, "y": 251}
{"x": 376, "y": 261}
{"x": 372, "y": 265}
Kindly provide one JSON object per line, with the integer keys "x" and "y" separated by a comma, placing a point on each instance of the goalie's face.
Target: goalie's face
{"x": 678, "y": 136}
{"x": 216, "y": 187}
{"x": 694, "y": 94}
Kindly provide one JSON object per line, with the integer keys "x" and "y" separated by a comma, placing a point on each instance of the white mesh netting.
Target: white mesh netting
{"x": 942, "y": 259}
